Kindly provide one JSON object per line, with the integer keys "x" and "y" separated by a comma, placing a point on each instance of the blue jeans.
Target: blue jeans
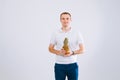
{"x": 63, "y": 70}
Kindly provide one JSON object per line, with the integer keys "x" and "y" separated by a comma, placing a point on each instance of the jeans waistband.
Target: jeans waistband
{"x": 66, "y": 64}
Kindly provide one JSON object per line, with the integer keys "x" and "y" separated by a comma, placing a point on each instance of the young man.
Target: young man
{"x": 66, "y": 64}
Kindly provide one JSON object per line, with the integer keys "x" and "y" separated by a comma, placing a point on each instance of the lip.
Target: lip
{"x": 65, "y": 22}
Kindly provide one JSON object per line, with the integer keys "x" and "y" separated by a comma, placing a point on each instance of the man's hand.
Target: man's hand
{"x": 67, "y": 55}
{"x": 61, "y": 52}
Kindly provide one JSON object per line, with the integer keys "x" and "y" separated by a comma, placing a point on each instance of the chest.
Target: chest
{"x": 72, "y": 38}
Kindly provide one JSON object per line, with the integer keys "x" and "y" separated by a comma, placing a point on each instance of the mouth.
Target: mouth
{"x": 65, "y": 22}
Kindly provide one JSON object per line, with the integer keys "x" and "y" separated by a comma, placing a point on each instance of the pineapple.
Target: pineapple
{"x": 65, "y": 46}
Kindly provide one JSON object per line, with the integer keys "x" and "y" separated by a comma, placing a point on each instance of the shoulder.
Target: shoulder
{"x": 76, "y": 31}
{"x": 55, "y": 32}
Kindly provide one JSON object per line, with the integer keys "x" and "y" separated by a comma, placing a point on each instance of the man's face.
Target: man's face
{"x": 65, "y": 20}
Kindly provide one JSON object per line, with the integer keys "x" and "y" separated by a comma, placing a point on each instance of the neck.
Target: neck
{"x": 66, "y": 28}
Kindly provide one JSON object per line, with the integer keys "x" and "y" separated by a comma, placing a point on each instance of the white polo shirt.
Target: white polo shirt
{"x": 74, "y": 39}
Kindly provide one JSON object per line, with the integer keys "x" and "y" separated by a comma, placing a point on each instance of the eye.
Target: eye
{"x": 67, "y": 18}
{"x": 63, "y": 18}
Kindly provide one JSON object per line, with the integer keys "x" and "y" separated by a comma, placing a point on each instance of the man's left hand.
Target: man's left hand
{"x": 67, "y": 55}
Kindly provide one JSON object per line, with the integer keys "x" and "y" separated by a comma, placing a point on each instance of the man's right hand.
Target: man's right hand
{"x": 57, "y": 52}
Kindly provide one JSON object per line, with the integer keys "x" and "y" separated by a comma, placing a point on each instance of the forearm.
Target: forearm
{"x": 80, "y": 51}
{"x": 54, "y": 51}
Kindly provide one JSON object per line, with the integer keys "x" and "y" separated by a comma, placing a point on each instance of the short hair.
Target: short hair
{"x": 65, "y": 13}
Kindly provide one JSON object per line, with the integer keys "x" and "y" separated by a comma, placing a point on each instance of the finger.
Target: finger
{"x": 66, "y": 55}
{"x": 62, "y": 49}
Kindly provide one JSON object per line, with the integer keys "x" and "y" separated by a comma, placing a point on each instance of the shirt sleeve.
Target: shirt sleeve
{"x": 80, "y": 38}
{"x": 53, "y": 39}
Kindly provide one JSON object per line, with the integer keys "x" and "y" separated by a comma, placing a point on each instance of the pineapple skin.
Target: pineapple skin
{"x": 66, "y": 48}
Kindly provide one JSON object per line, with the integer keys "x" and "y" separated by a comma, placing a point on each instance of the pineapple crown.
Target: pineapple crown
{"x": 65, "y": 41}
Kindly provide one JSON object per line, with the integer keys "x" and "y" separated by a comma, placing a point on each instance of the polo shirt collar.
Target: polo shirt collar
{"x": 65, "y": 32}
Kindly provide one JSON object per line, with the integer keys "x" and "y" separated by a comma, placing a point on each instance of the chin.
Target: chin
{"x": 66, "y": 25}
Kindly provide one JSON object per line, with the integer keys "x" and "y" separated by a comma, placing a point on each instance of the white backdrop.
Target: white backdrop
{"x": 26, "y": 27}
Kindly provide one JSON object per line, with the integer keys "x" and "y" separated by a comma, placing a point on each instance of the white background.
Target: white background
{"x": 26, "y": 27}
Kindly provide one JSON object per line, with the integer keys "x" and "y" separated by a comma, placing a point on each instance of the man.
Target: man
{"x": 66, "y": 64}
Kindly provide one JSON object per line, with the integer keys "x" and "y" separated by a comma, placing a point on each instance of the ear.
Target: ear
{"x": 60, "y": 20}
{"x": 70, "y": 19}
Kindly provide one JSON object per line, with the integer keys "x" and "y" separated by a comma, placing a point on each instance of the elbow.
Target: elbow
{"x": 82, "y": 51}
{"x": 49, "y": 49}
